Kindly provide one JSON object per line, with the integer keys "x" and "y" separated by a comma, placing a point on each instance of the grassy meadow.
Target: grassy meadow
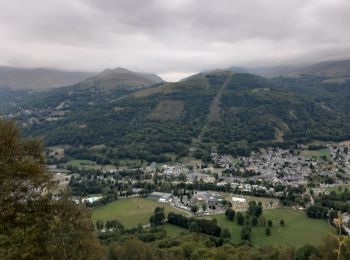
{"x": 130, "y": 211}
{"x": 316, "y": 153}
{"x": 89, "y": 165}
{"x": 298, "y": 229}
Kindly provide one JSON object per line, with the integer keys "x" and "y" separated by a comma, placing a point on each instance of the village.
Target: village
{"x": 214, "y": 185}
{"x": 277, "y": 166}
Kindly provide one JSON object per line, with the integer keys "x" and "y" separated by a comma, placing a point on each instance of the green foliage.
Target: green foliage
{"x": 125, "y": 128}
{"x": 230, "y": 214}
{"x": 254, "y": 209}
{"x": 132, "y": 249}
{"x": 225, "y": 233}
{"x": 316, "y": 211}
{"x": 246, "y": 233}
{"x": 194, "y": 209}
{"x": 325, "y": 202}
{"x": 305, "y": 252}
{"x": 193, "y": 227}
{"x": 239, "y": 218}
{"x": 99, "y": 225}
{"x": 9, "y": 96}
{"x": 254, "y": 112}
{"x": 32, "y": 224}
{"x": 282, "y": 223}
{"x": 158, "y": 217}
{"x": 254, "y": 221}
{"x": 269, "y": 223}
{"x": 199, "y": 246}
{"x": 209, "y": 227}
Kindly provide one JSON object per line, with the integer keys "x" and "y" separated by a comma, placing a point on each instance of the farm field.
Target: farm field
{"x": 131, "y": 211}
{"x": 298, "y": 229}
{"x": 169, "y": 109}
{"x": 88, "y": 165}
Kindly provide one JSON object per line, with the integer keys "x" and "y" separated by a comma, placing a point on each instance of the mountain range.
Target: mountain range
{"x": 43, "y": 78}
{"x": 121, "y": 78}
{"x": 39, "y": 78}
{"x": 131, "y": 115}
{"x": 332, "y": 69}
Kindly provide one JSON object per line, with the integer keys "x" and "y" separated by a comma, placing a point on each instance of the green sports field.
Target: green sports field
{"x": 130, "y": 211}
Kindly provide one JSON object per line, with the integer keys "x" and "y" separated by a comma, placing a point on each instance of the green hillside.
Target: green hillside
{"x": 234, "y": 113}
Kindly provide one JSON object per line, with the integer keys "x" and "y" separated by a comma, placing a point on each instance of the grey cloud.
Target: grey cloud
{"x": 172, "y": 37}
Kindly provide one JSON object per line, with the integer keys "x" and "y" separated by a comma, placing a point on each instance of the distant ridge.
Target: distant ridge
{"x": 39, "y": 78}
{"x": 43, "y": 78}
{"x": 330, "y": 69}
{"x": 121, "y": 78}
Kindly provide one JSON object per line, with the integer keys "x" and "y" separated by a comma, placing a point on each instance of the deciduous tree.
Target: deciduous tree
{"x": 32, "y": 224}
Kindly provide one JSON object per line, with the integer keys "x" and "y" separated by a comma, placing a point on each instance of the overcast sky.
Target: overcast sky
{"x": 173, "y": 38}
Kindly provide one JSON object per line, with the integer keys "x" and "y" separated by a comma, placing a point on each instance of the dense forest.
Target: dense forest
{"x": 223, "y": 111}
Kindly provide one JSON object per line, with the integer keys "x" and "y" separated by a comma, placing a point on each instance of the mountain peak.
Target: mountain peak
{"x": 122, "y": 78}
{"x": 108, "y": 71}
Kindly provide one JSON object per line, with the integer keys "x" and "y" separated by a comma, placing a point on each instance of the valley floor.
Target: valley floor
{"x": 298, "y": 230}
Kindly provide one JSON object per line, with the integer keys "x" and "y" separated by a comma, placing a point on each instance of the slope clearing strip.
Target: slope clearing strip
{"x": 214, "y": 110}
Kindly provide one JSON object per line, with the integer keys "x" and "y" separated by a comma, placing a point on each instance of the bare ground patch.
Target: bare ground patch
{"x": 345, "y": 142}
{"x": 167, "y": 109}
{"x": 164, "y": 88}
{"x": 280, "y": 127}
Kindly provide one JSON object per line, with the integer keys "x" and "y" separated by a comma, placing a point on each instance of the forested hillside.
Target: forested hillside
{"x": 144, "y": 124}
{"x": 224, "y": 111}
{"x": 256, "y": 112}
